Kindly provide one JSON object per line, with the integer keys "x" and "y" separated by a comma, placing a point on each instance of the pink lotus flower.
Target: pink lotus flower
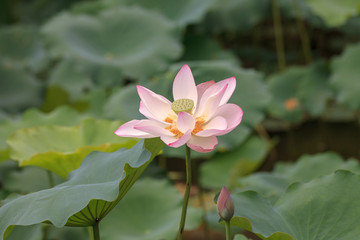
{"x": 197, "y": 115}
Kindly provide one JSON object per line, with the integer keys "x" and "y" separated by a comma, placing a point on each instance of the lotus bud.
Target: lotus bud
{"x": 225, "y": 205}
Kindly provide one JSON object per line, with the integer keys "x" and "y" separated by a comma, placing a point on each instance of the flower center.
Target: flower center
{"x": 182, "y": 105}
{"x": 172, "y": 128}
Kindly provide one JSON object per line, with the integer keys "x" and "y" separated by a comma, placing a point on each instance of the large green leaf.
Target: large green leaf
{"x": 123, "y": 104}
{"x": 91, "y": 192}
{"x": 202, "y": 48}
{"x": 61, "y": 149}
{"x": 19, "y": 89}
{"x": 335, "y": 13}
{"x": 40, "y": 231}
{"x": 273, "y": 185}
{"x": 180, "y": 12}
{"x": 299, "y": 90}
{"x": 345, "y": 77}
{"x": 81, "y": 79}
{"x": 62, "y": 116}
{"x": 33, "y": 117}
{"x": 29, "y": 179}
{"x": 155, "y": 218}
{"x": 235, "y": 15}
{"x": 224, "y": 168}
{"x": 324, "y": 208}
{"x": 21, "y": 46}
{"x": 70, "y": 75}
{"x": 240, "y": 237}
{"x": 136, "y": 41}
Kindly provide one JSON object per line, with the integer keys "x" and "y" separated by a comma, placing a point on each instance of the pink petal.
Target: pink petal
{"x": 231, "y": 82}
{"x": 128, "y": 130}
{"x": 215, "y": 126}
{"x": 203, "y": 144}
{"x": 233, "y": 115}
{"x": 172, "y": 141}
{"x": 210, "y": 102}
{"x": 153, "y": 128}
{"x": 202, "y": 87}
{"x": 154, "y": 104}
{"x": 185, "y": 122}
{"x": 184, "y": 85}
{"x": 144, "y": 111}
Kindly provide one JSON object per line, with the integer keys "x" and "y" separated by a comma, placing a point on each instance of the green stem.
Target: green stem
{"x": 227, "y": 230}
{"x": 278, "y": 36}
{"x": 51, "y": 179}
{"x": 91, "y": 233}
{"x": 304, "y": 37}
{"x": 45, "y": 230}
{"x": 187, "y": 193}
{"x": 96, "y": 232}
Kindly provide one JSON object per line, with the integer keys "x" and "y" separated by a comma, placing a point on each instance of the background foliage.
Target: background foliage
{"x": 68, "y": 71}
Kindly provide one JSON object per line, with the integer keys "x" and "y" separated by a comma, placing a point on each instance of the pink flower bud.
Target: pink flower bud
{"x": 225, "y": 205}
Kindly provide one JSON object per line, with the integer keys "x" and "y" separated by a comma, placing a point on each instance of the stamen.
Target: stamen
{"x": 169, "y": 120}
{"x": 172, "y": 127}
{"x": 198, "y": 126}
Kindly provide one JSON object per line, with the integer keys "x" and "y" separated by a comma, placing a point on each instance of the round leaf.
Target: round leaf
{"x": 345, "y": 77}
{"x": 90, "y": 193}
{"x": 335, "y": 13}
{"x": 138, "y": 42}
{"x": 155, "y": 218}
{"x": 224, "y": 168}
{"x": 325, "y": 208}
{"x": 62, "y": 116}
{"x": 19, "y": 89}
{"x": 308, "y": 167}
{"x": 61, "y": 149}
{"x": 21, "y": 47}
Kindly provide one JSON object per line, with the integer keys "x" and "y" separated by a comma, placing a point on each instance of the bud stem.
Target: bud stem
{"x": 187, "y": 193}
{"x": 227, "y": 230}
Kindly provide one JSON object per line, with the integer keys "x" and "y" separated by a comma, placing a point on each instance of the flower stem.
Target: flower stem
{"x": 187, "y": 193}
{"x": 227, "y": 230}
{"x": 96, "y": 232}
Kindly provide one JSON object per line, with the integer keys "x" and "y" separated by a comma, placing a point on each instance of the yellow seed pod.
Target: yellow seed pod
{"x": 182, "y": 105}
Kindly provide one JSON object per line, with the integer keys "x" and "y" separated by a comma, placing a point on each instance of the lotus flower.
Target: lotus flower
{"x": 225, "y": 205}
{"x": 197, "y": 115}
